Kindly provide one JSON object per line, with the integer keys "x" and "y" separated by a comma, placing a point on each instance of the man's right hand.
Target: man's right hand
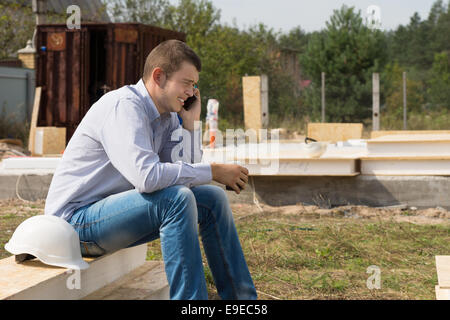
{"x": 232, "y": 175}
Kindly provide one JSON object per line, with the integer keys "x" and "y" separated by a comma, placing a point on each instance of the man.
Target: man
{"x": 118, "y": 185}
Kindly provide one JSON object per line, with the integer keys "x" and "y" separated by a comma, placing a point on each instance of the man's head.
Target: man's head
{"x": 170, "y": 72}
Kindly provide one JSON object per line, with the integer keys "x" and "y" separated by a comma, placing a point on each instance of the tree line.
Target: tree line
{"x": 346, "y": 49}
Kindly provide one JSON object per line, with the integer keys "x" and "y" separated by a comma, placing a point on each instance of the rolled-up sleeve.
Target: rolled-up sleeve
{"x": 127, "y": 138}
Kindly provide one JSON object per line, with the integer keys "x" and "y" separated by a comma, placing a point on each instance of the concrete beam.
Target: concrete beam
{"x": 373, "y": 191}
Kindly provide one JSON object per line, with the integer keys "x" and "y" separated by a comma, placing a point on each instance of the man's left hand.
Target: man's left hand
{"x": 193, "y": 114}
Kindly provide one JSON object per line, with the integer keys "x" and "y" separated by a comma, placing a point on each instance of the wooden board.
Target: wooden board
{"x": 419, "y": 145}
{"x": 34, "y": 118}
{"x": 30, "y": 163}
{"x": 380, "y": 133}
{"x": 412, "y": 138}
{"x": 334, "y": 132}
{"x": 255, "y": 99}
{"x": 405, "y": 157}
{"x": 49, "y": 140}
{"x": 147, "y": 282}
{"x": 412, "y": 167}
{"x": 443, "y": 270}
{"x": 16, "y": 278}
{"x": 35, "y": 280}
{"x": 442, "y": 293}
{"x": 303, "y": 167}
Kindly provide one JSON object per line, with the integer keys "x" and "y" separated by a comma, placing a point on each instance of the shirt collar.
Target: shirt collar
{"x": 150, "y": 105}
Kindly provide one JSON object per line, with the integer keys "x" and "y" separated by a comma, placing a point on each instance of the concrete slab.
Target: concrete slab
{"x": 373, "y": 191}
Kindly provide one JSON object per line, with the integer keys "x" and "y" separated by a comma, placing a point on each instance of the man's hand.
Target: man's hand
{"x": 193, "y": 114}
{"x": 232, "y": 175}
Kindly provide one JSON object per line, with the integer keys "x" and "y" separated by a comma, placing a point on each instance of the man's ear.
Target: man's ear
{"x": 159, "y": 77}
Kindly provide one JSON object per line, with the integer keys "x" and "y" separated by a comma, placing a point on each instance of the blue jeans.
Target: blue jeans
{"x": 173, "y": 214}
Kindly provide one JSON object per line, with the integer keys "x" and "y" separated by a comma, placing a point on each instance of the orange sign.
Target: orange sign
{"x": 56, "y": 41}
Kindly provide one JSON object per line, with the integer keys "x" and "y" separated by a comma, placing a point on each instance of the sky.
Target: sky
{"x": 311, "y": 15}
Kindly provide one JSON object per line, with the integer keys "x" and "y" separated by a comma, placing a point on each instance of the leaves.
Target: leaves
{"x": 348, "y": 52}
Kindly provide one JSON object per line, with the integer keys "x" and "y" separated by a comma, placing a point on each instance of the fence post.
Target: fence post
{"x": 29, "y": 99}
{"x": 323, "y": 96}
{"x": 376, "y": 102}
{"x": 404, "y": 102}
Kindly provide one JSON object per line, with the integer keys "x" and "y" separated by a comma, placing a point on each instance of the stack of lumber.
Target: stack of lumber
{"x": 417, "y": 154}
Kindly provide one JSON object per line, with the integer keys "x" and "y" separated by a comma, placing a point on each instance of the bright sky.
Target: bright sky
{"x": 311, "y": 15}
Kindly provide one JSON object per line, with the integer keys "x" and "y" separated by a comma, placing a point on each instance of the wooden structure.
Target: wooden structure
{"x": 34, "y": 118}
{"x": 334, "y": 132}
{"x": 410, "y": 145}
{"x": 408, "y": 154}
{"x": 256, "y": 102}
{"x": 49, "y": 141}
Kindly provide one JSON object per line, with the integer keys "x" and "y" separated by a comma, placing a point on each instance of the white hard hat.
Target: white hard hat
{"x": 49, "y": 238}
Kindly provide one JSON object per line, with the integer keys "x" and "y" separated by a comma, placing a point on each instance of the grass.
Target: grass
{"x": 291, "y": 257}
{"x": 13, "y": 129}
{"x": 12, "y": 213}
{"x": 426, "y": 120}
{"x": 294, "y": 255}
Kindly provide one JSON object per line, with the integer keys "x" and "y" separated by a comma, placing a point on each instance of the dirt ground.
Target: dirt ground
{"x": 428, "y": 216}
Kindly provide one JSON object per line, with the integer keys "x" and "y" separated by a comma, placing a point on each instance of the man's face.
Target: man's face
{"x": 178, "y": 87}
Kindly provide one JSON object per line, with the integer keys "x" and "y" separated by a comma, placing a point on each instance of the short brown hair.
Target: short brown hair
{"x": 169, "y": 55}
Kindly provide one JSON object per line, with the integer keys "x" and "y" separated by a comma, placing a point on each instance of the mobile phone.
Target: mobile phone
{"x": 188, "y": 103}
{"x": 231, "y": 189}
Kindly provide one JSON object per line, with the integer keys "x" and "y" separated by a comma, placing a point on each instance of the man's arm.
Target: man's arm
{"x": 127, "y": 139}
{"x": 181, "y": 144}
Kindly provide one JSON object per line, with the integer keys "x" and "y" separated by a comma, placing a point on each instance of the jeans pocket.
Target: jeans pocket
{"x": 91, "y": 249}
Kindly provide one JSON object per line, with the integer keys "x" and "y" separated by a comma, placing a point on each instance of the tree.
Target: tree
{"x": 153, "y": 12}
{"x": 439, "y": 90}
{"x": 16, "y": 27}
{"x": 227, "y": 53}
{"x": 348, "y": 52}
{"x": 416, "y": 43}
{"x": 392, "y": 87}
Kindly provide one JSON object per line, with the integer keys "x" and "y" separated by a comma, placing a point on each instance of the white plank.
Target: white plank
{"x": 31, "y": 163}
{"x": 405, "y": 148}
{"x": 148, "y": 282}
{"x": 405, "y": 167}
{"x": 304, "y": 167}
{"x": 411, "y": 138}
{"x": 443, "y": 270}
{"x": 442, "y": 293}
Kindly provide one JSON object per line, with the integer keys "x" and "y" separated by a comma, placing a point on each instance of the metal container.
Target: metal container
{"x": 75, "y": 67}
